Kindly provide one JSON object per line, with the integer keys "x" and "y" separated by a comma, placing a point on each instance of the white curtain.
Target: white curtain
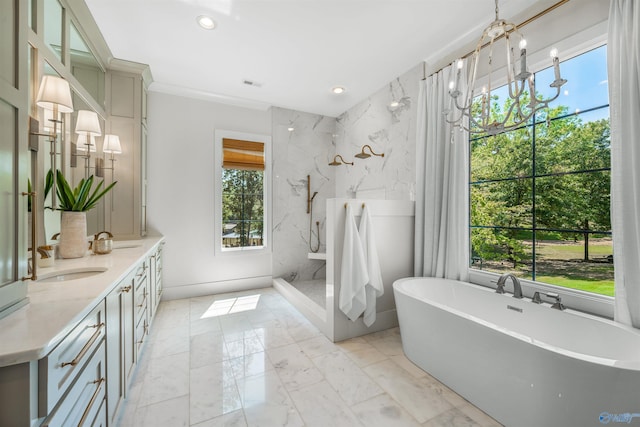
{"x": 624, "y": 100}
{"x": 442, "y": 236}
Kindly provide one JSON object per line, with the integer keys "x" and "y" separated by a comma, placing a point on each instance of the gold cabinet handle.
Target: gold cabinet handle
{"x": 126, "y": 288}
{"x": 143, "y": 301}
{"x": 86, "y": 347}
{"x": 34, "y": 236}
{"x": 85, "y": 414}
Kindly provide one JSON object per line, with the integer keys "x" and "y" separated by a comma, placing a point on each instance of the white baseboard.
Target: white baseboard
{"x": 212, "y": 288}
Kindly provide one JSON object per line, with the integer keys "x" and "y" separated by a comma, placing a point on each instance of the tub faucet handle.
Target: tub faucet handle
{"x": 536, "y": 298}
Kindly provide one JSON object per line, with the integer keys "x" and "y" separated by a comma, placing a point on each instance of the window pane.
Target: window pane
{"x": 574, "y": 202}
{"x": 502, "y": 251}
{"x": 8, "y": 12}
{"x": 242, "y": 208}
{"x": 53, "y": 26}
{"x": 586, "y": 87}
{"x": 561, "y": 259}
{"x": 575, "y": 143}
{"x": 504, "y": 203}
{"x": 502, "y": 156}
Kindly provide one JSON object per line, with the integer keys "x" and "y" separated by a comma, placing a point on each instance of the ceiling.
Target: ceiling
{"x": 294, "y": 51}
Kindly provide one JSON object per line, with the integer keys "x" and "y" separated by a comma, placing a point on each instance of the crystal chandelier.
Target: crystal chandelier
{"x": 524, "y": 101}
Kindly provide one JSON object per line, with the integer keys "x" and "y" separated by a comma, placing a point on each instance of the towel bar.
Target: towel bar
{"x": 345, "y": 205}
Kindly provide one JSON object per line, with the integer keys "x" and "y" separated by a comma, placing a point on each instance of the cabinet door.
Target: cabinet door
{"x": 119, "y": 305}
{"x": 13, "y": 155}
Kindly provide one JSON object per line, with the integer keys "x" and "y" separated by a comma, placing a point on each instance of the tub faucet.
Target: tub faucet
{"x": 517, "y": 289}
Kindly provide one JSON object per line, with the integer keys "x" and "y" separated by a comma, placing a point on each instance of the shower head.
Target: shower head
{"x": 335, "y": 161}
{"x": 315, "y": 193}
{"x": 363, "y": 155}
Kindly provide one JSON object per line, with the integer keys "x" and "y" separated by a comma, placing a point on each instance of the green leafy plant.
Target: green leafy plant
{"x": 81, "y": 198}
{"x": 48, "y": 185}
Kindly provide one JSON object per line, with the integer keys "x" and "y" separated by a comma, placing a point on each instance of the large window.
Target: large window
{"x": 242, "y": 194}
{"x": 540, "y": 194}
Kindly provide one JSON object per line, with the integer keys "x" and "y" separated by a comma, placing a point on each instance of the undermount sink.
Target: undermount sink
{"x": 125, "y": 244}
{"x": 71, "y": 274}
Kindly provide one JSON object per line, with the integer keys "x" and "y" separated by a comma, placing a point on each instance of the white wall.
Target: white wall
{"x": 180, "y": 198}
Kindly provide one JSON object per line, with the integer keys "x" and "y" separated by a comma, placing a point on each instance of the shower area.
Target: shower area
{"x": 303, "y": 180}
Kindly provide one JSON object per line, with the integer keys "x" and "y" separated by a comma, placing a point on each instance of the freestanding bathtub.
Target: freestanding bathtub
{"x": 522, "y": 363}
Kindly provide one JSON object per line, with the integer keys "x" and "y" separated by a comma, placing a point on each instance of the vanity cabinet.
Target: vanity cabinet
{"x": 120, "y": 343}
{"x": 77, "y": 373}
{"x": 64, "y": 364}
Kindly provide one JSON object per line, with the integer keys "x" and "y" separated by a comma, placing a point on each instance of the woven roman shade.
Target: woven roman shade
{"x": 244, "y": 155}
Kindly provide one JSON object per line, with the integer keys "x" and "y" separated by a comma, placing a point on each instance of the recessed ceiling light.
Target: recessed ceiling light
{"x": 206, "y": 22}
{"x": 394, "y": 104}
{"x": 338, "y": 90}
{"x": 291, "y": 128}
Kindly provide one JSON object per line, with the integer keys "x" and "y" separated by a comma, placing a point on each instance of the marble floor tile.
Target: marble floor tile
{"x": 406, "y": 364}
{"x": 251, "y": 364}
{"x": 451, "y": 418}
{"x": 166, "y": 378}
{"x": 207, "y": 348}
{"x": 413, "y": 393}
{"x": 273, "y": 336}
{"x": 293, "y": 366}
{"x": 319, "y": 405}
{"x": 383, "y": 411}
{"x": 203, "y": 325}
{"x": 232, "y": 419}
{"x": 351, "y": 383}
{"x": 213, "y": 392}
{"x": 265, "y": 364}
{"x": 243, "y": 347}
{"x": 266, "y": 402}
{"x": 169, "y": 413}
{"x": 317, "y": 346}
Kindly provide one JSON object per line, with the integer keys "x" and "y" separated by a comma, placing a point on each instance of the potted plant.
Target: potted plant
{"x": 74, "y": 204}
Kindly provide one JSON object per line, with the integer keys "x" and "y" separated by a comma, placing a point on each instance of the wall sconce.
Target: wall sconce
{"x": 87, "y": 128}
{"x": 111, "y": 146}
{"x": 341, "y": 162}
{"x": 54, "y": 96}
{"x": 363, "y": 155}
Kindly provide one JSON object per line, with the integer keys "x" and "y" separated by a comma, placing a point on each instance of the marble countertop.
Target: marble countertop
{"x": 54, "y": 309}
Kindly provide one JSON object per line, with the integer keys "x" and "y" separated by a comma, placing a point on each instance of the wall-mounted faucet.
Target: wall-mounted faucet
{"x": 517, "y": 289}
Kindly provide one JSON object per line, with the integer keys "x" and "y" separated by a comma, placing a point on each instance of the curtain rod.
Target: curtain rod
{"x": 522, "y": 24}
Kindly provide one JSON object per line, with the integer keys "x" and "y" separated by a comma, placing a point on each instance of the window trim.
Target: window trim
{"x": 219, "y": 135}
{"x": 587, "y": 302}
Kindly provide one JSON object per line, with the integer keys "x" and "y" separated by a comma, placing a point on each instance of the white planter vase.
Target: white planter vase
{"x": 73, "y": 235}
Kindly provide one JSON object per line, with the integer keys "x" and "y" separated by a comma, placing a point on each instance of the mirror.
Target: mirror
{"x": 53, "y": 26}
{"x": 85, "y": 67}
{"x": 81, "y": 161}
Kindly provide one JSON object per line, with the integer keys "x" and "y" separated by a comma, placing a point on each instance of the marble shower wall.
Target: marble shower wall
{"x": 307, "y": 150}
{"x": 387, "y": 129}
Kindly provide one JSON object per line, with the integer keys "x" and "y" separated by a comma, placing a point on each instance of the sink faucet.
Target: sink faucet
{"x": 517, "y": 289}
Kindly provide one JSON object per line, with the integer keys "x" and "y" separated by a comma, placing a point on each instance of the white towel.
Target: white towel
{"x": 375, "y": 287}
{"x": 353, "y": 274}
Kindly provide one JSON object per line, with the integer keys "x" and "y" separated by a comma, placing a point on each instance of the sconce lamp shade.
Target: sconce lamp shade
{"x": 111, "y": 144}
{"x": 81, "y": 142}
{"x": 55, "y": 92}
{"x": 88, "y": 122}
